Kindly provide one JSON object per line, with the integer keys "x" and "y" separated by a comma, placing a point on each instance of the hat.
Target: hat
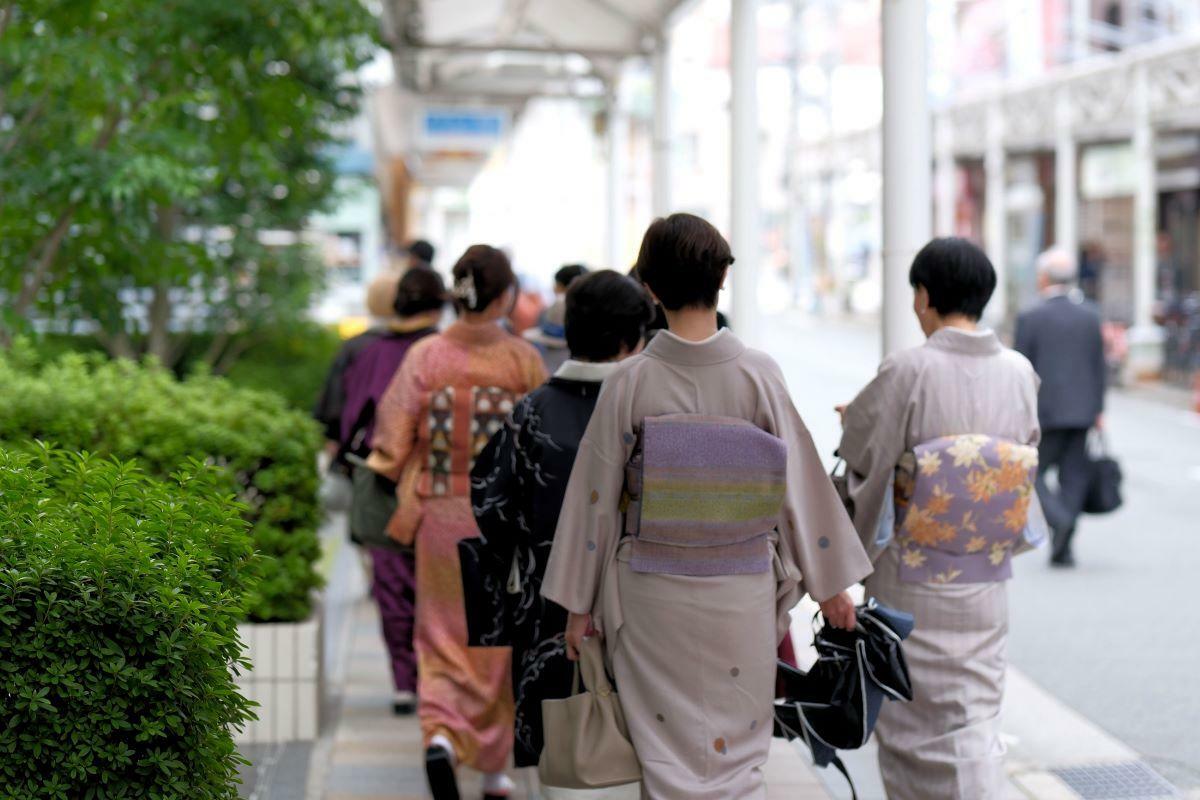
{"x": 552, "y": 332}
{"x": 381, "y": 295}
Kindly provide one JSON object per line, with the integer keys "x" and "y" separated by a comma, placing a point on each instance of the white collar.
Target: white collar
{"x": 589, "y": 371}
{"x": 681, "y": 340}
{"x": 1057, "y": 290}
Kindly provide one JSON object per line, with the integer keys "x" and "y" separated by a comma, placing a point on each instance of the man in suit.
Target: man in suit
{"x": 1061, "y": 338}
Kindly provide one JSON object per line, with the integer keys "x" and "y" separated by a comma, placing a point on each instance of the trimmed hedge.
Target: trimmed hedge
{"x": 120, "y": 597}
{"x": 142, "y": 412}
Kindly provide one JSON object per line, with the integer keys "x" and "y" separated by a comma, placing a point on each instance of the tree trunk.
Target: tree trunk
{"x": 158, "y": 339}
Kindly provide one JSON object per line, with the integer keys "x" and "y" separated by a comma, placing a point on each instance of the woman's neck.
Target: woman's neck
{"x": 693, "y": 324}
{"x": 959, "y": 322}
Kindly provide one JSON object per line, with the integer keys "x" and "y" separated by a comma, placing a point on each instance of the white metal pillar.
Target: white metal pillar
{"x": 614, "y": 250}
{"x": 743, "y": 120}
{"x": 1066, "y": 181}
{"x": 995, "y": 211}
{"x": 907, "y": 159}
{"x": 1081, "y": 29}
{"x": 945, "y": 177}
{"x": 1145, "y": 204}
{"x": 661, "y": 187}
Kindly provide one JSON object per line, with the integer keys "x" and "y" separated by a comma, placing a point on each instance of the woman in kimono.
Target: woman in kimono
{"x": 452, "y": 392}
{"x": 518, "y": 484}
{"x": 960, "y": 386}
{"x": 417, "y": 304}
{"x": 692, "y": 600}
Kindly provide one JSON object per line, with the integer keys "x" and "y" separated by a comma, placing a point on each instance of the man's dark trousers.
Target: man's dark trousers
{"x": 1066, "y": 451}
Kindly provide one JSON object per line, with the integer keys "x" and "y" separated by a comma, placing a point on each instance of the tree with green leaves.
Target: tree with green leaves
{"x": 158, "y": 159}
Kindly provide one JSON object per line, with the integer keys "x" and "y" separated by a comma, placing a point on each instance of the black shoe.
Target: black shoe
{"x": 1062, "y": 561}
{"x": 404, "y": 704}
{"x": 439, "y": 771}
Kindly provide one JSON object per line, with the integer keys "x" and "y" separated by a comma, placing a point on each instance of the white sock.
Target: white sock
{"x": 497, "y": 783}
{"x": 438, "y": 740}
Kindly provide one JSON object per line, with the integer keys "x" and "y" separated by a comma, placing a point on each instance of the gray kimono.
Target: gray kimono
{"x": 694, "y": 656}
{"x": 945, "y": 744}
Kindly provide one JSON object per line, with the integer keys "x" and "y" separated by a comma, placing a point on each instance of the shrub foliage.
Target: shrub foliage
{"x": 141, "y": 412}
{"x": 120, "y": 596}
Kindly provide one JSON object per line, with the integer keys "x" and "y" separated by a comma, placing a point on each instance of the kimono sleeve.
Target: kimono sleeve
{"x": 396, "y": 419}
{"x": 874, "y": 430}
{"x": 816, "y": 537}
{"x": 590, "y": 525}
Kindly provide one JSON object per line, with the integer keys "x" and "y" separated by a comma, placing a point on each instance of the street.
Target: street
{"x": 1114, "y": 639}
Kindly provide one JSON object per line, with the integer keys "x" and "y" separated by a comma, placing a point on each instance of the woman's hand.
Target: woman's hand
{"x": 578, "y": 626}
{"x": 839, "y": 611}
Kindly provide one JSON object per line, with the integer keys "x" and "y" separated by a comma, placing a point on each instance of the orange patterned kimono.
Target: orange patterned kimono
{"x": 452, "y": 392}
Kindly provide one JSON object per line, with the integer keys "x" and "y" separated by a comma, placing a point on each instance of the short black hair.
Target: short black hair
{"x": 683, "y": 259}
{"x": 957, "y": 275}
{"x": 606, "y": 310}
{"x": 419, "y": 248}
{"x": 567, "y": 273}
{"x": 421, "y": 289}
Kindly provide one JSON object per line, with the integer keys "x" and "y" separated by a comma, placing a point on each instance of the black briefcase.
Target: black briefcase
{"x": 1104, "y": 483}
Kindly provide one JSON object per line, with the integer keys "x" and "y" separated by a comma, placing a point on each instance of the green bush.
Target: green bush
{"x": 143, "y": 413}
{"x": 120, "y": 596}
{"x": 290, "y": 361}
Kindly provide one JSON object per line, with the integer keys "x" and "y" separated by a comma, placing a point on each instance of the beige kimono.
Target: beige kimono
{"x": 694, "y": 657}
{"x": 945, "y": 744}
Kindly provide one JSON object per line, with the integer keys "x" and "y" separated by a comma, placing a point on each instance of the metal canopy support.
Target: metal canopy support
{"x": 1145, "y": 203}
{"x": 616, "y": 122}
{"x": 907, "y": 160}
{"x": 1066, "y": 182}
{"x": 661, "y": 189}
{"x": 743, "y": 120}
{"x": 995, "y": 210}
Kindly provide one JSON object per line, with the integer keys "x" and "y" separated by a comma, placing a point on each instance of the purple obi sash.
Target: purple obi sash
{"x": 702, "y": 495}
{"x": 962, "y": 504}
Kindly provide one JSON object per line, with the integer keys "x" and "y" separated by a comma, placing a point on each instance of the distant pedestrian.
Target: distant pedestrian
{"x": 519, "y": 481}
{"x": 418, "y": 307}
{"x": 331, "y": 402}
{"x": 419, "y": 253}
{"x": 549, "y": 335}
{"x": 453, "y": 391}
{"x": 940, "y": 458}
{"x": 1062, "y": 338}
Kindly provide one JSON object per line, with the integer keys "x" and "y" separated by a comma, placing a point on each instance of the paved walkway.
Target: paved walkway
{"x": 373, "y": 755}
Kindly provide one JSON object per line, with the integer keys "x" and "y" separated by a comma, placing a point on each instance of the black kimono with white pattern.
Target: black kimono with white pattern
{"x": 517, "y": 488}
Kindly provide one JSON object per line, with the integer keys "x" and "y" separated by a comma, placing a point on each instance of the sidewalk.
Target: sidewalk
{"x": 373, "y": 755}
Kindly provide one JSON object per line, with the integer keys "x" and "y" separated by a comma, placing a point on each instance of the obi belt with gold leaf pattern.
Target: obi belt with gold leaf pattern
{"x": 702, "y": 495}
{"x": 962, "y": 506}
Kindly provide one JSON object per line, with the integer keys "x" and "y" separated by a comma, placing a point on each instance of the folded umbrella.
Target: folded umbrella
{"x": 835, "y": 704}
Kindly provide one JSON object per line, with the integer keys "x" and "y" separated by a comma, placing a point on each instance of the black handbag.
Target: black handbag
{"x": 485, "y": 600}
{"x": 1104, "y": 481}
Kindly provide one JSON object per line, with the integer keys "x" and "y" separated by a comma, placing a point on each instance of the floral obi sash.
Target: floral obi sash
{"x": 702, "y": 495}
{"x": 962, "y": 507}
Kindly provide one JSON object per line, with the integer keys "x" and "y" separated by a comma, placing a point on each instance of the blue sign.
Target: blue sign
{"x": 463, "y": 123}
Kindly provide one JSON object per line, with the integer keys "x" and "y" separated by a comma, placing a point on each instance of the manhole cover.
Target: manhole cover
{"x": 1132, "y": 780}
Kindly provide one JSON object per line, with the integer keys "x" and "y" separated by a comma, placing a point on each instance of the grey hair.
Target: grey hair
{"x": 1058, "y": 266}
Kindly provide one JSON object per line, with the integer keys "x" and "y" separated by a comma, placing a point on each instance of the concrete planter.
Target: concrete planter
{"x": 286, "y": 679}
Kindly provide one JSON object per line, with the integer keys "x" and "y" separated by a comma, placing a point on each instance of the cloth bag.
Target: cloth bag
{"x": 372, "y": 504}
{"x": 1104, "y": 485}
{"x": 587, "y": 741}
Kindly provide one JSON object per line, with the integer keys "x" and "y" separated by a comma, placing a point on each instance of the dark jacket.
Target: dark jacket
{"x": 1061, "y": 338}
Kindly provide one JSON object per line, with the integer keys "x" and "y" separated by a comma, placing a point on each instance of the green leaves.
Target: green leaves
{"x": 246, "y": 450}
{"x": 145, "y": 145}
{"x": 120, "y": 630}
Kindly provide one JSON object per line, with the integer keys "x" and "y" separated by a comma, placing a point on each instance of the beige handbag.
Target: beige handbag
{"x": 587, "y": 743}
